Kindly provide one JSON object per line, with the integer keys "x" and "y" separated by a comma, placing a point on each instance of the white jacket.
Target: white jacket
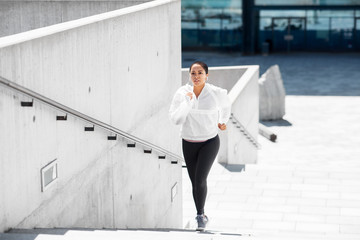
{"x": 199, "y": 117}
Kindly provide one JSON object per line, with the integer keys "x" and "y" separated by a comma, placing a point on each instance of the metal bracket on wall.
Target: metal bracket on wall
{"x": 27, "y": 104}
{"x": 147, "y": 150}
{"x": 112, "y": 137}
{"x": 61, "y": 118}
{"x": 89, "y": 129}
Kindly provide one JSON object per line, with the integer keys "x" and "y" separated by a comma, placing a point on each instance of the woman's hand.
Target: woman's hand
{"x": 222, "y": 126}
{"x": 190, "y": 94}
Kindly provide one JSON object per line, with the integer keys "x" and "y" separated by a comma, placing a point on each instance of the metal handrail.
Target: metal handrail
{"x": 244, "y": 131}
{"x": 87, "y": 118}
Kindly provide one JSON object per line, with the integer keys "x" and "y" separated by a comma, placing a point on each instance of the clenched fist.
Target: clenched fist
{"x": 190, "y": 94}
{"x": 222, "y": 126}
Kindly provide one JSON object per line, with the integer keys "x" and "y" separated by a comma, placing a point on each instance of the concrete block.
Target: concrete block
{"x": 272, "y": 94}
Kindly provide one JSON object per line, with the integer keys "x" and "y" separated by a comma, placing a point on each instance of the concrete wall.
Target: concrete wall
{"x": 245, "y": 107}
{"x": 23, "y": 15}
{"x": 103, "y": 67}
{"x": 241, "y": 83}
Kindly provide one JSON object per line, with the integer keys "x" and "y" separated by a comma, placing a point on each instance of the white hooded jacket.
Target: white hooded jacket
{"x": 199, "y": 117}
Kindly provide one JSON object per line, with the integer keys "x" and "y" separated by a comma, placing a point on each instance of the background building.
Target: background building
{"x": 253, "y": 26}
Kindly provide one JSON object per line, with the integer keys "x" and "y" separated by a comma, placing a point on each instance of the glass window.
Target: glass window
{"x": 318, "y": 23}
{"x": 341, "y": 34}
{"x": 211, "y": 23}
{"x": 210, "y": 19}
{"x": 281, "y": 24}
{"x": 265, "y": 24}
{"x": 211, "y": 4}
{"x": 338, "y": 24}
{"x": 287, "y": 13}
{"x": 326, "y": 13}
{"x": 232, "y": 18}
{"x": 358, "y": 13}
{"x": 306, "y": 2}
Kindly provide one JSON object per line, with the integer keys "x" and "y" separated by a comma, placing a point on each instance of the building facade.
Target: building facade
{"x": 252, "y": 26}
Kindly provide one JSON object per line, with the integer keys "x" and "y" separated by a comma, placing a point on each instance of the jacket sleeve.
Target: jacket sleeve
{"x": 180, "y": 108}
{"x": 225, "y": 106}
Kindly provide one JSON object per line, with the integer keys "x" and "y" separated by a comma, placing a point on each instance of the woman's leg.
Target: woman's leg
{"x": 190, "y": 151}
{"x": 205, "y": 159}
{"x": 199, "y": 158}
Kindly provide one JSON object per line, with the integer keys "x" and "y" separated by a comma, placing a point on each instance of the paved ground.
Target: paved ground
{"x": 307, "y": 184}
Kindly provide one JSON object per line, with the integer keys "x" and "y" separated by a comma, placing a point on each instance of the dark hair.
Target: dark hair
{"x": 202, "y": 64}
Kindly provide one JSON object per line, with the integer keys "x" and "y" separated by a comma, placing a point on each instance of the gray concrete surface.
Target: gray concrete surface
{"x": 19, "y": 16}
{"x": 92, "y": 65}
{"x": 306, "y": 185}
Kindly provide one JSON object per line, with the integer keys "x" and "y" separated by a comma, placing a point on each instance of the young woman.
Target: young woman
{"x": 201, "y": 109}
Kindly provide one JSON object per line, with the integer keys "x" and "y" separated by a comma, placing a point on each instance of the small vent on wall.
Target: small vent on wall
{"x": 49, "y": 174}
{"x": 27, "y": 104}
{"x": 89, "y": 129}
{"x": 61, "y": 118}
{"x": 112, "y": 137}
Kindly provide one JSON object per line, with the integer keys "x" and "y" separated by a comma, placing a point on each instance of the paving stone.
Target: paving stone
{"x": 320, "y": 195}
{"x": 277, "y": 208}
{"x": 320, "y": 210}
{"x": 344, "y": 220}
{"x": 350, "y": 229}
{"x": 282, "y": 193}
{"x": 297, "y": 217}
{"x": 279, "y": 225}
{"x": 317, "y": 227}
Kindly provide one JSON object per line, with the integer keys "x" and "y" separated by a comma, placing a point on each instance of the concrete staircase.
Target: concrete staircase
{"x": 152, "y": 234}
{"x": 95, "y": 234}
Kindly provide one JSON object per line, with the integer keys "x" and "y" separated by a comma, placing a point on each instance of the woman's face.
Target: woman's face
{"x": 198, "y": 75}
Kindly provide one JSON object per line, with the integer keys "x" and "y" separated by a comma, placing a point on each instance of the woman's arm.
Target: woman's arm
{"x": 180, "y": 107}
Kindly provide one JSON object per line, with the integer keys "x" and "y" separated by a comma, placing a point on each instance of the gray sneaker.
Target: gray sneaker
{"x": 202, "y": 221}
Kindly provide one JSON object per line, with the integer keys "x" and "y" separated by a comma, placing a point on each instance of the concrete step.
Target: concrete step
{"x": 159, "y": 234}
{"x": 95, "y": 234}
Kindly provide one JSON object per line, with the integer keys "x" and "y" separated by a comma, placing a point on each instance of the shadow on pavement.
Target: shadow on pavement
{"x": 233, "y": 167}
{"x": 278, "y": 123}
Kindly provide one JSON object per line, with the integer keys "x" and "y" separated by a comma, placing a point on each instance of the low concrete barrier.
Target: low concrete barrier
{"x": 272, "y": 94}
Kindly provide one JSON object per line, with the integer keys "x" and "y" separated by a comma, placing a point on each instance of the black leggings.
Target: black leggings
{"x": 199, "y": 157}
